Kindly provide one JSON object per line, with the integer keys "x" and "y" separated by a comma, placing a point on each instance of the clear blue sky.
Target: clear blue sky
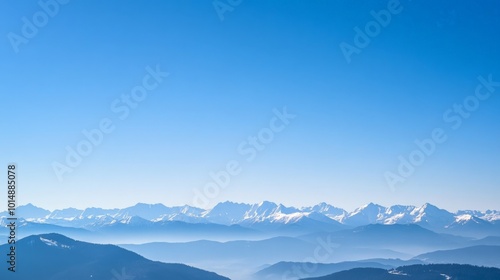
{"x": 226, "y": 77}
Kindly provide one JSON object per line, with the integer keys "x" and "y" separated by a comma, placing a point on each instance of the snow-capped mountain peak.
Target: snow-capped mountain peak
{"x": 261, "y": 214}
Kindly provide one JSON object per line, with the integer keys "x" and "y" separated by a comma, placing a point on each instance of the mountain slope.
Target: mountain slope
{"x": 410, "y": 239}
{"x": 296, "y": 270}
{"x": 262, "y": 251}
{"x": 56, "y": 257}
{"x": 417, "y": 272}
{"x": 475, "y": 255}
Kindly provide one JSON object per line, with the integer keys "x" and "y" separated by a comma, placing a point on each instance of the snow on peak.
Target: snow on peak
{"x": 463, "y": 218}
{"x": 267, "y": 205}
{"x": 370, "y": 209}
{"x": 287, "y": 218}
{"x": 229, "y": 213}
{"x": 468, "y": 218}
{"x": 261, "y": 211}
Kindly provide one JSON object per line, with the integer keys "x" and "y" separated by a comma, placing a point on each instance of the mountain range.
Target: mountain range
{"x": 56, "y": 257}
{"x": 481, "y": 255}
{"x": 239, "y": 240}
{"x": 376, "y": 244}
{"x": 267, "y": 217}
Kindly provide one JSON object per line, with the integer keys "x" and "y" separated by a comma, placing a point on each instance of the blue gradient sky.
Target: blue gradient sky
{"x": 353, "y": 119}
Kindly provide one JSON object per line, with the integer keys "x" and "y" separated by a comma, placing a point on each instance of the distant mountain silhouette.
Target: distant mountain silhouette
{"x": 490, "y": 240}
{"x": 475, "y": 255}
{"x": 295, "y": 270}
{"x": 410, "y": 238}
{"x": 56, "y": 257}
{"x": 261, "y": 251}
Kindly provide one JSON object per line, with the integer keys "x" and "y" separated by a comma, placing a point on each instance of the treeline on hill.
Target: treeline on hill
{"x": 420, "y": 272}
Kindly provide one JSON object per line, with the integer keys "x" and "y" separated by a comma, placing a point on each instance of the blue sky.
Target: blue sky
{"x": 353, "y": 120}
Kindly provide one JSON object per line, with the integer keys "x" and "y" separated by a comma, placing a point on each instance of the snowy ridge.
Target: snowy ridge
{"x": 231, "y": 213}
